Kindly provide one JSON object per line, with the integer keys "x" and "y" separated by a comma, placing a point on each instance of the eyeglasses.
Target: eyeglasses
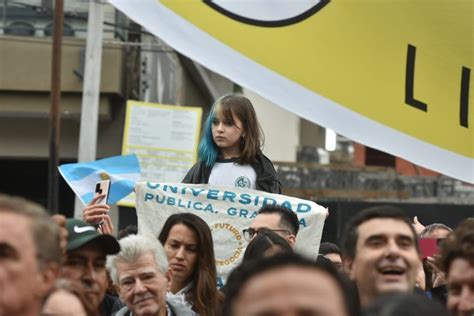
{"x": 249, "y": 233}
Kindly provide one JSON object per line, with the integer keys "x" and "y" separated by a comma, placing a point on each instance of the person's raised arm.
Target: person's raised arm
{"x": 95, "y": 213}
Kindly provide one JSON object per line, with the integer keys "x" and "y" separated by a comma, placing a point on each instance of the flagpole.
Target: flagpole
{"x": 55, "y": 113}
{"x": 91, "y": 90}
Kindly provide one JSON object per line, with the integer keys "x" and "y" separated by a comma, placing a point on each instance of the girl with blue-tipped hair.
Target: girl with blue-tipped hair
{"x": 230, "y": 150}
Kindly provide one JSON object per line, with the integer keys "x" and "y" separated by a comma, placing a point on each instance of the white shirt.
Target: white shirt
{"x": 226, "y": 172}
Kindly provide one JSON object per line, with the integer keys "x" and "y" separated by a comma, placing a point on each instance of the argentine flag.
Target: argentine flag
{"x": 122, "y": 171}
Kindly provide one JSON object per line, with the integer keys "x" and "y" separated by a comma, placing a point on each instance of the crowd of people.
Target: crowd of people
{"x": 58, "y": 266}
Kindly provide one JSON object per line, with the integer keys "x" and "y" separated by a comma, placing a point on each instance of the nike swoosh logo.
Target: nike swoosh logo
{"x": 81, "y": 230}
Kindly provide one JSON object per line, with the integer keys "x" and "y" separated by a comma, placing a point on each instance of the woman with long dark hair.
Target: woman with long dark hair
{"x": 189, "y": 247}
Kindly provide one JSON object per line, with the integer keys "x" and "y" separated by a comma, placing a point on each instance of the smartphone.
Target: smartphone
{"x": 102, "y": 187}
{"x": 428, "y": 246}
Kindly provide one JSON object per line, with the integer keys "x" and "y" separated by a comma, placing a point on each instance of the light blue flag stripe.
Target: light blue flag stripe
{"x": 123, "y": 172}
{"x": 117, "y": 164}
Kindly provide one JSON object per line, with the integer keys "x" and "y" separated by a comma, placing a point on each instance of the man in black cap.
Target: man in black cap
{"x": 85, "y": 262}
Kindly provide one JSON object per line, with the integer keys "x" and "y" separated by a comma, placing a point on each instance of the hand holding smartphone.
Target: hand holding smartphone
{"x": 102, "y": 187}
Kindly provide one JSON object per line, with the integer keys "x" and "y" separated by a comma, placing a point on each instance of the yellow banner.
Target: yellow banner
{"x": 395, "y": 75}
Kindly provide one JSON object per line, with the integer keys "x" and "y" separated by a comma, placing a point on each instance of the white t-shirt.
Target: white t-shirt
{"x": 227, "y": 172}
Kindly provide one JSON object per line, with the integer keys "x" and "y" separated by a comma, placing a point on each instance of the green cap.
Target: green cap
{"x": 81, "y": 233}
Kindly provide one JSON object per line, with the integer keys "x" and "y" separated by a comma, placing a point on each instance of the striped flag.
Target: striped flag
{"x": 122, "y": 171}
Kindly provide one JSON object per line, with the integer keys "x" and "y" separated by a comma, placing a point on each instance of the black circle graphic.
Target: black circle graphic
{"x": 276, "y": 23}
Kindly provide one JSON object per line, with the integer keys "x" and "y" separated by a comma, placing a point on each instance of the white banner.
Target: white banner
{"x": 227, "y": 211}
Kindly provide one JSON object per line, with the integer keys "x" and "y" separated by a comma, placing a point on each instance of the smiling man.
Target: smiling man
{"x": 85, "y": 263}
{"x": 380, "y": 252}
{"x": 140, "y": 271}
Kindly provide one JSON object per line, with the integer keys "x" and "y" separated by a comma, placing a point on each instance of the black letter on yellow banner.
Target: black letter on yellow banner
{"x": 409, "y": 81}
{"x": 464, "y": 102}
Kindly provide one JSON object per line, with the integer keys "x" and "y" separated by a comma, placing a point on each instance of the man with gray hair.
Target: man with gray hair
{"x": 140, "y": 271}
{"x": 30, "y": 256}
